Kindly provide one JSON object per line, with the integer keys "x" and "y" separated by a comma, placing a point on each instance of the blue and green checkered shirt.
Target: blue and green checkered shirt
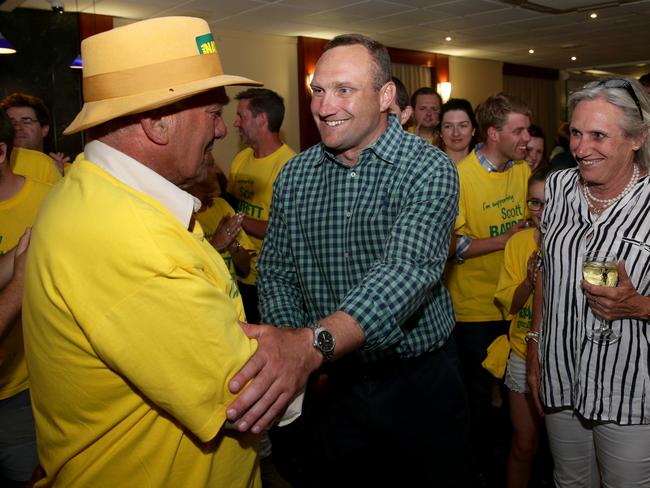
{"x": 370, "y": 240}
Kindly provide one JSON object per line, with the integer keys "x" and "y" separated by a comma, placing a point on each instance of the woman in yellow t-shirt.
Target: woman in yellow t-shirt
{"x": 221, "y": 226}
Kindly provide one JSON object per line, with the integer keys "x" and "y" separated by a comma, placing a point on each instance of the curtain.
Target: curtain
{"x": 412, "y": 76}
{"x": 542, "y": 97}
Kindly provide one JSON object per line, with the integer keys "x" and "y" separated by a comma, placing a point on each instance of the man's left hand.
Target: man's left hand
{"x": 279, "y": 369}
{"x": 620, "y": 302}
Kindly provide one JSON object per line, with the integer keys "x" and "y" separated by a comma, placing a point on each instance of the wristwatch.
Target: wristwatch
{"x": 323, "y": 341}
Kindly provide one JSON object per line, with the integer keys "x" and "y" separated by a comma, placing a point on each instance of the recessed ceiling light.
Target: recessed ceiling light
{"x": 573, "y": 58}
{"x": 448, "y": 38}
{"x": 593, "y": 15}
{"x": 531, "y": 51}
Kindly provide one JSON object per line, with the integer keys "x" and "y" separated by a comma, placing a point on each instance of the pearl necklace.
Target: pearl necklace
{"x": 606, "y": 202}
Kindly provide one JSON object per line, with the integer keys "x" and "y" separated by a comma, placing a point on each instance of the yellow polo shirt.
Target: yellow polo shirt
{"x": 131, "y": 336}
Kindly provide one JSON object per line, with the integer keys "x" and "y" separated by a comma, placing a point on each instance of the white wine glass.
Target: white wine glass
{"x": 601, "y": 268}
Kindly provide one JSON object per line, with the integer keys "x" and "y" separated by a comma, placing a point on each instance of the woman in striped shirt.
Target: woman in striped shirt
{"x": 596, "y": 391}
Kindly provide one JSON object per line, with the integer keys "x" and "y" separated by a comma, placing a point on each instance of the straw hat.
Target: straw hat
{"x": 146, "y": 65}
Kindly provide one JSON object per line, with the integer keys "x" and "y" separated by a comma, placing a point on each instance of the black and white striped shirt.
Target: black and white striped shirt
{"x": 602, "y": 382}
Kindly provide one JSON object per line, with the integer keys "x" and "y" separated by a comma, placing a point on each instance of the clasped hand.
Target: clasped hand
{"x": 226, "y": 232}
{"x": 279, "y": 370}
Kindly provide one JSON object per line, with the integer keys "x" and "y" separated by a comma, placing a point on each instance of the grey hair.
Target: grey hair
{"x": 631, "y": 123}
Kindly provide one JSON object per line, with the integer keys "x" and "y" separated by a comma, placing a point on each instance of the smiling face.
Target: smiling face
{"x": 456, "y": 130}
{"x": 512, "y": 139}
{"x": 29, "y": 131}
{"x": 604, "y": 153}
{"x": 349, "y": 112}
{"x": 535, "y": 152}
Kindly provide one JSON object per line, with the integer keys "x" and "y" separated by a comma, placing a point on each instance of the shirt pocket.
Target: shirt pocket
{"x": 635, "y": 250}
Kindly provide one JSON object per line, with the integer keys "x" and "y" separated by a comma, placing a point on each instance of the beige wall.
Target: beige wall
{"x": 475, "y": 79}
{"x": 273, "y": 60}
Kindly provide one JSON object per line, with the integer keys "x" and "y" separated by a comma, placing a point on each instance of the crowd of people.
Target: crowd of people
{"x": 350, "y": 315}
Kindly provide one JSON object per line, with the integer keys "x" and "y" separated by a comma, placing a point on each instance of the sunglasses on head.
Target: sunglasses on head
{"x": 626, "y": 85}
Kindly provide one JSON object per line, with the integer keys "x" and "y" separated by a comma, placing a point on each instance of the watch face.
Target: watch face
{"x": 325, "y": 341}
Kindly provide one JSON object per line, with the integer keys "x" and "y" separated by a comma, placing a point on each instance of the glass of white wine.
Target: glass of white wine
{"x": 601, "y": 268}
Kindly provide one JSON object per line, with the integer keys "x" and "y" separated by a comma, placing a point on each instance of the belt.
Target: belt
{"x": 353, "y": 368}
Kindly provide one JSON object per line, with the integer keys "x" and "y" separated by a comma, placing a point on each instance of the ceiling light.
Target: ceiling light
{"x": 593, "y": 15}
{"x": 531, "y": 51}
{"x": 5, "y": 46}
{"x": 573, "y": 58}
{"x": 448, "y": 38}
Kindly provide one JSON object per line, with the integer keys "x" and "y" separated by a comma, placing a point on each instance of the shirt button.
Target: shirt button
{"x": 353, "y": 174}
{"x": 346, "y": 255}
{"x": 348, "y": 214}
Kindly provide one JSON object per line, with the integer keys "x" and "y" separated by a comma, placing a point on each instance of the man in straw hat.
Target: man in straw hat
{"x": 131, "y": 317}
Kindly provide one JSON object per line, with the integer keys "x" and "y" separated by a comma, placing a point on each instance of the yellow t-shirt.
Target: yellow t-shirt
{"x": 16, "y": 214}
{"x": 433, "y": 139}
{"x": 131, "y": 336}
{"x": 515, "y": 268}
{"x": 209, "y": 219}
{"x": 35, "y": 164}
{"x": 490, "y": 203}
{"x": 251, "y": 182}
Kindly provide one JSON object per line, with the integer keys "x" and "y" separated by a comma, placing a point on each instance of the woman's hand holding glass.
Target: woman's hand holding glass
{"x": 619, "y": 302}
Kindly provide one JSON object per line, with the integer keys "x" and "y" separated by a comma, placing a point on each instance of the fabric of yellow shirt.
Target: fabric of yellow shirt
{"x": 490, "y": 203}
{"x": 251, "y": 182}
{"x": 515, "y": 268}
{"x": 432, "y": 139}
{"x": 131, "y": 336}
{"x": 35, "y": 164}
{"x": 209, "y": 219}
{"x": 16, "y": 214}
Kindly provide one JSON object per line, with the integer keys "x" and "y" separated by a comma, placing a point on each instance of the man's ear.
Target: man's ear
{"x": 45, "y": 130}
{"x": 262, "y": 119}
{"x": 157, "y": 128}
{"x": 386, "y": 96}
{"x": 493, "y": 134}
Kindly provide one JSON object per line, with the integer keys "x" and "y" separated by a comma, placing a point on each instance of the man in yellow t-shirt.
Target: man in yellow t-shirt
{"x": 493, "y": 186}
{"x": 31, "y": 119}
{"x": 260, "y": 113}
{"x": 426, "y": 103}
{"x": 131, "y": 318}
{"x": 20, "y": 201}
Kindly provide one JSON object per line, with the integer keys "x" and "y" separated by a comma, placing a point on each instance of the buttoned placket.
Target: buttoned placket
{"x": 351, "y": 188}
